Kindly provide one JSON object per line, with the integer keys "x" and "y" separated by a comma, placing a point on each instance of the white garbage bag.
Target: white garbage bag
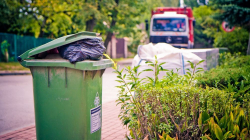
{"x": 176, "y": 59}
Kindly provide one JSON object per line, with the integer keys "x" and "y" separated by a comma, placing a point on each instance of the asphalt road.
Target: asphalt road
{"x": 16, "y": 99}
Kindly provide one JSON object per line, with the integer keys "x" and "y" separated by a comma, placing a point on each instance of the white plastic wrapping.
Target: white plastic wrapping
{"x": 175, "y": 58}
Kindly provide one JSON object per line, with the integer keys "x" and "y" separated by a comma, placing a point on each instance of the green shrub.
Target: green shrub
{"x": 153, "y": 108}
{"x": 233, "y": 76}
{"x": 184, "y": 107}
{"x": 4, "y": 49}
{"x": 173, "y": 110}
{"x": 235, "y": 41}
{"x": 227, "y": 60}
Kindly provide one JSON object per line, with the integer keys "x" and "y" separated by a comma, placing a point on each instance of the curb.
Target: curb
{"x": 7, "y": 73}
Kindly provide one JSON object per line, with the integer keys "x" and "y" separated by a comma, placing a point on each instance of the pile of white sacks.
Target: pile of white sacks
{"x": 176, "y": 59}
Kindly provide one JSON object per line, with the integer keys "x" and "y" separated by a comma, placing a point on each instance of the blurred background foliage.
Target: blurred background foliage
{"x": 125, "y": 18}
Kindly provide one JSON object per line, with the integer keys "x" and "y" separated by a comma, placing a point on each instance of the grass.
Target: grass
{"x": 11, "y": 66}
{"x": 118, "y": 59}
{"x": 15, "y": 66}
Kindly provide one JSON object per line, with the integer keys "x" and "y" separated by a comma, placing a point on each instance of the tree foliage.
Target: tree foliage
{"x": 56, "y": 18}
{"x": 170, "y": 3}
{"x": 235, "y": 12}
{"x": 206, "y": 26}
{"x": 8, "y": 14}
{"x": 235, "y": 41}
{"x": 191, "y": 3}
{"x": 209, "y": 32}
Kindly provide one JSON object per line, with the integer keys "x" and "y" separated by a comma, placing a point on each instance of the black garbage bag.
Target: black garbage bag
{"x": 89, "y": 48}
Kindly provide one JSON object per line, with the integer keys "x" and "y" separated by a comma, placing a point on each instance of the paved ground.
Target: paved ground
{"x": 112, "y": 128}
{"x": 17, "y": 111}
{"x": 16, "y": 102}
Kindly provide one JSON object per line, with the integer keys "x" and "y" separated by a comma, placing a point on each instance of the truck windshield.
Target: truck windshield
{"x": 169, "y": 24}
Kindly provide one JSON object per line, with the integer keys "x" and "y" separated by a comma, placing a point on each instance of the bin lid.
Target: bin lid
{"x": 27, "y": 60}
{"x": 58, "y": 42}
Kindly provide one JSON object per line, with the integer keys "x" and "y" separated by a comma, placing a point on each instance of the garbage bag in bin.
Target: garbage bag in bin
{"x": 89, "y": 48}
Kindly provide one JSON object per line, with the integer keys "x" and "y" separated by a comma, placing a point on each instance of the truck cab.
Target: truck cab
{"x": 172, "y": 26}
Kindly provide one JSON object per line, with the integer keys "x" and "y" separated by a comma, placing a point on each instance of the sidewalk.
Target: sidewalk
{"x": 127, "y": 61}
{"x": 112, "y": 128}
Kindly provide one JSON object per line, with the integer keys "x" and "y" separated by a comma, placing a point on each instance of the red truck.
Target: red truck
{"x": 173, "y": 25}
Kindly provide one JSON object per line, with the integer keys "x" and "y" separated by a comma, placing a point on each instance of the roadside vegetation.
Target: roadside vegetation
{"x": 211, "y": 105}
{"x": 12, "y": 66}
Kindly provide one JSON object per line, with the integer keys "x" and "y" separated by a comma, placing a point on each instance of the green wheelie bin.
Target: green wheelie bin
{"x": 67, "y": 97}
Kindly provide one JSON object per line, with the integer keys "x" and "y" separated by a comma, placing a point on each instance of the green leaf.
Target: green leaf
{"x": 230, "y": 126}
{"x": 200, "y": 120}
{"x": 148, "y": 62}
{"x": 177, "y": 126}
{"x": 236, "y": 130}
{"x": 223, "y": 122}
{"x": 120, "y": 81}
{"x": 205, "y": 128}
{"x": 124, "y": 76}
{"x": 148, "y": 70}
{"x": 150, "y": 79}
{"x": 200, "y": 69}
{"x": 187, "y": 76}
{"x": 218, "y": 132}
{"x": 200, "y": 62}
{"x": 191, "y": 64}
{"x": 216, "y": 118}
{"x": 169, "y": 138}
{"x": 162, "y": 63}
{"x": 133, "y": 85}
{"x": 188, "y": 73}
{"x": 231, "y": 117}
{"x": 205, "y": 117}
{"x": 184, "y": 127}
{"x": 244, "y": 133}
{"x": 227, "y": 135}
{"x": 125, "y": 122}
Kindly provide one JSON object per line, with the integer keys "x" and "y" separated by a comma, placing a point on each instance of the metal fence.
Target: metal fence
{"x": 20, "y": 44}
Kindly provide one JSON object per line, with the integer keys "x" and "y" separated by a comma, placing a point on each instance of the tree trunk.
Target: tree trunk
{"x": 42, "y": 27}
{"x": 108, "y": 39}
{"x": 113, "y": 22}
{"x": 248, "y": 48}
{"x": 90, "y": 24}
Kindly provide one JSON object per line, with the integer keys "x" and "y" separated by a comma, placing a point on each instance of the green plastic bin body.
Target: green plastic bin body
{"x": 67, "y": 98}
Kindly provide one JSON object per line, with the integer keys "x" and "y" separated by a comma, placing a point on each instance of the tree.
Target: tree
{"x": 120, "y": 17}
{"x": 191, "y": 3}
{"x": 94, "y": 13}
{"x": 235, "y": 12}
{"x": 51, "y": 18}
{"x": 42, "y": 18}
{"x": 9, "y": 14}
{"x": 235, "y": 41}
{"x": 206, "y": 27}
{"x": 170, "y": 3}
{"x": 56, "y": 18}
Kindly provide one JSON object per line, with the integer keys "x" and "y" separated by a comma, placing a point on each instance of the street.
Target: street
{"x": 16, "y": 99}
